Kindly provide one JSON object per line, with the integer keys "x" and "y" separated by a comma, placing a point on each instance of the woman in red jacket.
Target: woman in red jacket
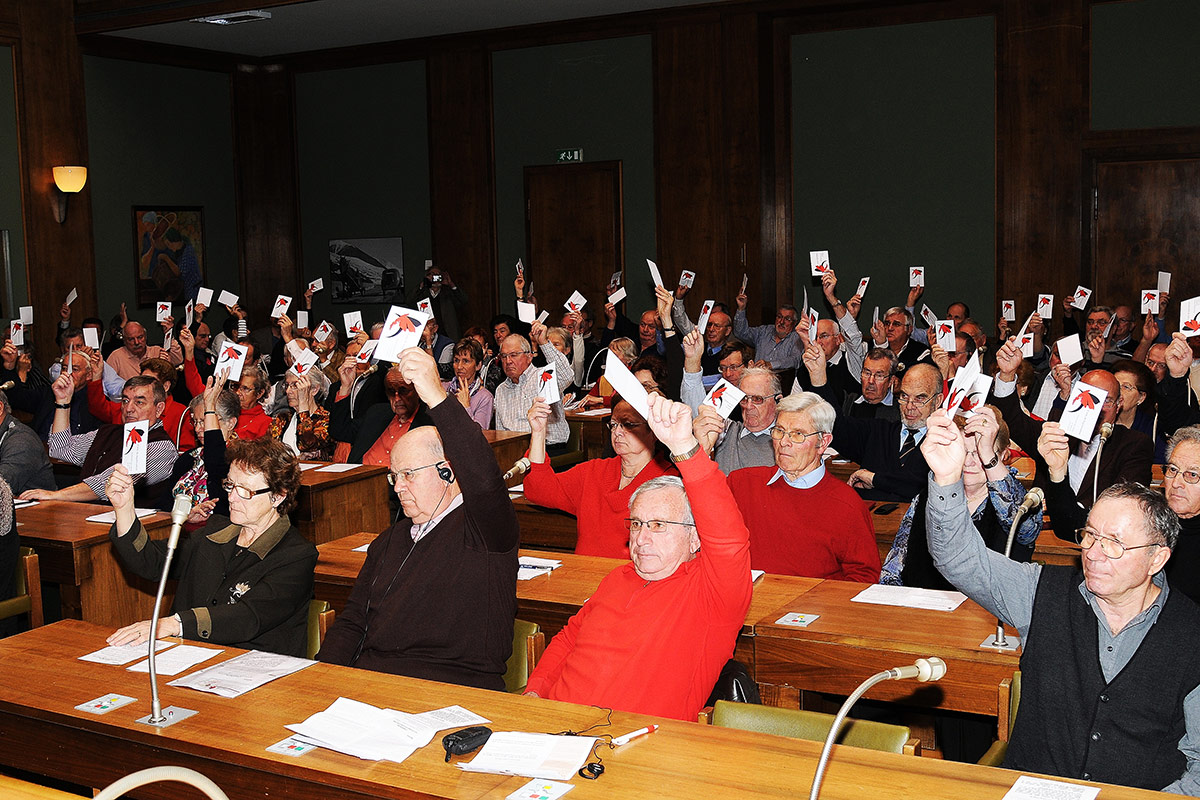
{"x": 597, "y": 492}
{"x": 253, "y": 422}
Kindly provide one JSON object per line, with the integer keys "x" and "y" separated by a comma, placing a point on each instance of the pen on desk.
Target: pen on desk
{"x": 629, "y": 737}
{"x": 535, "y": 567}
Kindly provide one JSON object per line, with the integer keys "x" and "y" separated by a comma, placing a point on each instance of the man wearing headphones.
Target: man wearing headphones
{"x": 436, "y": 597}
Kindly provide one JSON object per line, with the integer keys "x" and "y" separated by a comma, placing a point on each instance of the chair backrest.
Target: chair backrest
{"x": 574, "y": 453}
{"x": 528, "y": 644}
{"x": 28, "y": 588}
{"x": 1014, "y": 700}
{"x": 320, "y": 617}
{"x": 811, "y": 725}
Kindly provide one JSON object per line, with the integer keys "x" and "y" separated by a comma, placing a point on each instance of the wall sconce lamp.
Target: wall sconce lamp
{"x": 67, "y": 180}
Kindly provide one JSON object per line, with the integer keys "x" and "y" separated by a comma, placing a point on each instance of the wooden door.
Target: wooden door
{"x": 574, "y": 232}
{"x": 1146, "y": 219}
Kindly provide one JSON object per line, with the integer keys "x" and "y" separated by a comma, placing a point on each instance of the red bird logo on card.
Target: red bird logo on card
{"x": 1008, "y": 306}
{"x": 954, "y": 394}
{"x": 822, "y": 267}
{"x": 971, "y": 402}
{"x": 301, "y": 368}
{"x": 402, "y": 323}
{"x": 916, "y": 273}
{"x": 1086, "y": 400}
{"x": 943, "y": 328}
{"x": 1193, "y": 324}
{"x": 280, "y": 303}
{"x": 717, "y": 395}
{"x": 1026, "y": 339}
{"x": 547, "y": 376}
{"x": 231, "y": 354}
{"x": 1045, "y": 301}
{"x": 573, "y": 306}
{"x": 134, "y": 439}
{"x": 707, "y": 308}
{"x": 1148, "y": 298}
{"x": 16, "y": 326}
{"x": 1081, "y": 293}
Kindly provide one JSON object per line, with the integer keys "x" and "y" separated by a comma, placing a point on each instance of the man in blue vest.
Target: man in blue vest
{"x": 1109, "y": 672}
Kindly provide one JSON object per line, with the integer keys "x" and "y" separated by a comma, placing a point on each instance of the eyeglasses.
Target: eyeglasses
{"x": 1109, "y": 546}
{"x": 243, "y": 492}
{"x": 877, "y": 376}
{"x": 757, "y": 399}
{"x": 1153, "y": 365}
{"x": 653, "y": 525}
{"x": 795, "y": 437}
{"x": 723, "y": 368}
{"x": 1190, "y": 476}
{"x": 393, "y": 391}
{"x": 511, "y": 356}
{"x": 895, "y": 323}
{"x": 785, "y": 318}
{"x": 406, "y": 475}
{"x": 618, "y": 424}
{"x": 240, "y": 388}
{"x": 913, "y": 400}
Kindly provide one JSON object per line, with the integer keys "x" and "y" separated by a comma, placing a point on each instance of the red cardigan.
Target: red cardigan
{"x": 657, "y": 647}
{"x": 109, "y": 411}
{"x": 253, "y": 423}
{"x": 589, "y": 491}
{"x": 821, "y": 532}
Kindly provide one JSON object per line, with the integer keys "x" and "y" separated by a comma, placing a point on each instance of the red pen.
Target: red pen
{"x": 629, "y": 737}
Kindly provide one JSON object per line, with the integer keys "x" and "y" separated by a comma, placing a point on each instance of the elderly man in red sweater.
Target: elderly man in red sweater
{"x": 802, "y": 520}
{"x": 653, "y": 637}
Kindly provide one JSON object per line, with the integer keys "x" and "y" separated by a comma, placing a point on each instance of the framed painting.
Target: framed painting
{"x": 169, "y": 242}
{"x": 367, "y": 270}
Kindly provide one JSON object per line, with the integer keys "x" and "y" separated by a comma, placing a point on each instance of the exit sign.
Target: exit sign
{"x": 565, "y": 156}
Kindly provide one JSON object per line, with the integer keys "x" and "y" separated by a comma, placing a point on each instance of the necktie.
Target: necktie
{"x": 909, "y": 441}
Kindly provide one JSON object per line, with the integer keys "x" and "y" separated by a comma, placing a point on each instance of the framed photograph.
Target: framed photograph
{"x": 366, "y": 270}
{"x": 169, "y": 242}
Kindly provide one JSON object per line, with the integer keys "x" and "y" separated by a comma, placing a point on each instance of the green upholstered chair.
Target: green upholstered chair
{"x": 814, "y": 726}
{"x": 28, "y": 585}
{"x": 1010, "y": 698}
{"x": 528, "y": 644}
{"x": 320, "y": 617}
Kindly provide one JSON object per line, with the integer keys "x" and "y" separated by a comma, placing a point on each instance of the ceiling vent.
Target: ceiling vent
{"x": 235, "y": 18}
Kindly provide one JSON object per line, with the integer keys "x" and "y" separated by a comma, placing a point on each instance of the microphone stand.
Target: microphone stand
{"x": 1001, "y": 641}
{"x": 158, "y": 716}
{"x": 1105, "y": 431}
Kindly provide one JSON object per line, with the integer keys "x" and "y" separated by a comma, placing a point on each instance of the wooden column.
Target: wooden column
{"x": 52, "y": 124}
{"x": 1040, "y": 121}
{"x": 462, "y": 183}
{"x": 267, "y": 194}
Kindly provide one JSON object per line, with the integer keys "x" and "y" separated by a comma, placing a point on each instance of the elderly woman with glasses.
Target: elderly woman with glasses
{"x": 597, "y": 492}
{"x": 993, "y": 496}
{"x": 245, "y": 580}
{"x": 254, "y": 421}
{"x": 303, "y": 424}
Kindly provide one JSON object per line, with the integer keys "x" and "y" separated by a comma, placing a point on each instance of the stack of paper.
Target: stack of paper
{"x": 530, "y": 567}
{"x": 124, "y": 653}
{"x": 239, "y": 675}
{"x": 909, "y": 597}
{"x": 378, "y": 734}
{"x": 177, "y": 659}
{"x": 109, "y": 517}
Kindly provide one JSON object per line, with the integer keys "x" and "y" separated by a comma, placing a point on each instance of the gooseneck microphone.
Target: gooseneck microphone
{"x": 179, "y": 514}
{"x": 1106, "y": 430}
{"x": 4, "y": 387}
{"x": 520, "y": 468}
{"x": 1033, "y": 499}
{"x": 925, "y": 669}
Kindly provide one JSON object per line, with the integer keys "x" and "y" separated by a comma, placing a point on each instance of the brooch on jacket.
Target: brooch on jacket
{"x": 237, "y": 591}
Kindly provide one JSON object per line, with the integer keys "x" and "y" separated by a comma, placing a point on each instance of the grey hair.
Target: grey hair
{"x": 665, "y": 482}
{"x": 1189, "y": 434}
{"x": 820, "y": 412}
{"x": 776, "y": 387}
{"x": 1161, "y": 522}
{"x": 228, "y": 406}
{"x": 4, "y": 402}
{"x": 908, "y": 317}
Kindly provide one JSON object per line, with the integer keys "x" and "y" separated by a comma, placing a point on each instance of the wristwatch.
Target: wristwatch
{"x": 995, "y": 460}
{"x": 685, "y": 456}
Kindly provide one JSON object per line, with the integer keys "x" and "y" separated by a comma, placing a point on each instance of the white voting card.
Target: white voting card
{"x": 654, "y": 273}
{"x": 818, "y": 261}
{"x": 322, "y": 332}
{"x": 166, "y": 339}
{"x": 705, "y": 313}
{"x": 227, "y": 298}
{"x": 1045, "y": 306}
{"x": 614, "y": 281}
{"x": 282, "y": 303}
{"x": 964, "y": 379}
{"x": 1008, "y": 310}
{"x": 1025, "y": 338}
{"x": 1149, "y": 301}
{"x": 542, "y": 317}
{"x": 16, "y": 332}
{"x": 367, "y": 350}
{"x": 745, "y": 281}
{"x": 617, "y": 296}
{"x": 1189, "y": 316}
{"x": 401, "y": 330}
{"x": 425, "y": 306}
{"x": 1080, "y": 299}
{"x": 230, "y": 361}
{"x": 204, "y": 296}
{"x": 1083, "y": 409}
{"x": 316, "y": 285}
{"x": 1108, "y": 328}
{"x": 304, "y": 362}
{"x": 1164, "y": 282}
{"x": 301, "y": 319}
{"x": 724, "y": 397}
{"x": 916, "y": 276}
{"x": 687, "y": 278}
{"x": 162, "y": 310}
{"x": 547, "y": 384}
{"x": 520, "y": 268}
{"x": 575, "y": 302}
{"x": 188, "y": 313}
{"x": 944, "y": 331}
{"x": 1070, "y": 350}
{"x": 91, "y": 338}
{"x": 875, "y": 317}
{"x": 352, "y": 320}
{"x": 928, "y": 315}
{"x": 976, "y": 396}
{"x": 862, "y": 287}
{"x": 27, "y": 314}
{"x": 133, "y": 447}
{"x": 623, "y": 382}
{"x": 73, "y": 295}
{"x": 541, "y": 789}
{"x": 526, "y": 312}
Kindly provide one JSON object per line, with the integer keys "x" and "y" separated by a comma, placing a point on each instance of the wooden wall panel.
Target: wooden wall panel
{"x": 462, "y": 184}
{"x": 268, "y": 220}
{"x": 53, "y": 131}
{"x": 1040, "y": 122}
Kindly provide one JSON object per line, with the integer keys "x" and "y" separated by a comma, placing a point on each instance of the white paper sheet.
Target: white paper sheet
{"x": 27, "y": 314}
{"x": 177, "y": 659}
{"x": 301, "y": 319}
{"x": 73, "y": 295}
{"x": 910, "y": 597}
{"x": 1164, "y": 282}
{"x": 705, "y": 313}
{"x": 109, "y": 517}
{"x": 91, "y": 338}
{"x": 339, "y": 467}
{"x": 533, "y": 755}
{"x": 204, "y": 297}
{"x": 654, "y": 273}
{"x": 241, "y": 674}
{"x": 626, "y": 385}
{"x": 1028, "y": 787}
{"x": 117, "y": 656}
{"x": 227, "y": 298}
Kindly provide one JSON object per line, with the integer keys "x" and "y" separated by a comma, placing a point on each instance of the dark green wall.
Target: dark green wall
{"x": 10, "y": 182}
{"x": 595, "y": 95}
{"x": 893, "y": 161}
{"x": 1144, "y": 68}
{"x": 157, "y": 135}
{"x": 363, "y": 153}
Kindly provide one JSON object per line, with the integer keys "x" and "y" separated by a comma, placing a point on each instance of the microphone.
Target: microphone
{"x": 179, "y": 514}
{"x": 925, "y": 669}
{"x": 4, "y": 387}
{"x": 520, "y": 468}
{"x": 1106, "y": 431}
{"x": 1032, "y": 500}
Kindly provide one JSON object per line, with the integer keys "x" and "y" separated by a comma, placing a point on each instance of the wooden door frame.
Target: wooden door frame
{"x": 619, "y": 210}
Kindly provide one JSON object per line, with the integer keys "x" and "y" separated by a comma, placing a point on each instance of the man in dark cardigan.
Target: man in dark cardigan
{"x": 436, "y": 597}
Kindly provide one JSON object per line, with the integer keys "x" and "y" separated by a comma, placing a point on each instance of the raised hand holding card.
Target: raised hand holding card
{"x": 353, "y": 322}
{"x": 401, "y": 330}
{"x": 1070, "y": 349}
{"x": 547, "y": 384}
{"x": 1149, "y": 301}
{"x": 575, "y": 302}
{"x": 162, "y": 310}
{"x": 1045, "y": 306}
{"x": 654, "y": 274}
{"x": 282, "y": 302}
{"x": 705, "y": 313}
{"x": 819, "y": 262}
{"x": 1189, "y": 317}
{"x": 724, "y": 397}
{"x": 232, "y": 358}
{"x": 916, "y": 276}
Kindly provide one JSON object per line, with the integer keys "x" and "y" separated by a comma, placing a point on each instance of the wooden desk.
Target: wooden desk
{"x": 545, "y": 528}
{"x": 226, "y": 740}
{"x": 1050, "y": 549}
{"x": 508, "y": 447}
{"x": 854, "y": 640}
{"x": 593, "y": 436}
{"x": 331, "y": 505}
{"x": 76, "y": 555}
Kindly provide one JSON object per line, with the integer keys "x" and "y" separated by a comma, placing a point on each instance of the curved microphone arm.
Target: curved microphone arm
{"x": 121, "y": 786}
{"x": 179, "y": 514}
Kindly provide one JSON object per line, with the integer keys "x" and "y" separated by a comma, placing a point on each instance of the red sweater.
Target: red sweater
{"x": 589, "y": 491}
{"x": 253, "y": 423}
{"x": 109, "y": 411}
{"x": 822, "y": 532}
{"x": 657, "y": 647}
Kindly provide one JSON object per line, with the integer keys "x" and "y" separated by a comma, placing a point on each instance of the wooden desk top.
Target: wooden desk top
{"x": 496, "y": 437}
{"x": 585, "y": 416}
{"x": 958, "y": 632}
{"x": 226, "y": 740}
{"x": 13, "y": 789}
{"x": 63, "y": 523}
{"x": 315, "y": 480}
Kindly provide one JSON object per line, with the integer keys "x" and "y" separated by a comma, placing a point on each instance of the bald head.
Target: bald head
{"x": 1103, "y": 379}
{"x": 135, "y": 338}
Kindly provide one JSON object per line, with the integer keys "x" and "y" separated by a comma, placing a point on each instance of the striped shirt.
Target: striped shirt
{"x": 160, "y": 457}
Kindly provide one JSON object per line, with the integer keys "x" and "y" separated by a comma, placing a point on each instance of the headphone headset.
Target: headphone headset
{"x": 445, "y": 473}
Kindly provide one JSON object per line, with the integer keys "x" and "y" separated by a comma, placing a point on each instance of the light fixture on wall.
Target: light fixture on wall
{"x": 67, "y": 180}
